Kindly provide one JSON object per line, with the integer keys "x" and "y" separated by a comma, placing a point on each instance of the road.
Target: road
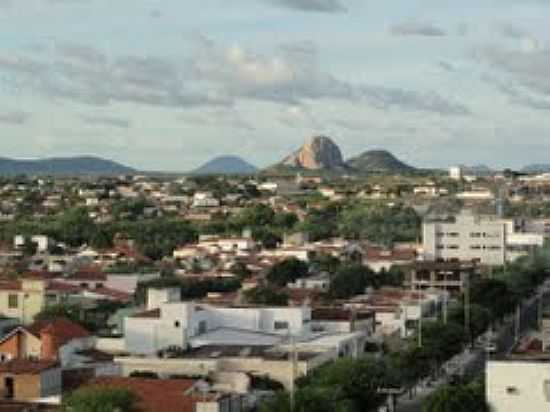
{"x": 471, "y": 362}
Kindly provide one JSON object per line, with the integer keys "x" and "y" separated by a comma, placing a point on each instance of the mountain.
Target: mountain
{"x": 226, "y": 165}
{"x": 477, "y": 170}
{"x": 378, "y": 161}
{"x": 537, "y": 168}
{"x": 85, "y": 165}
{"x": 319, "y": 153}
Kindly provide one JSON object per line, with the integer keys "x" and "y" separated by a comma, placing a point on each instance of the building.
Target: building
{"x": 378, "y": 258}
{"x": 486, "y": 239}
{"x": 455, "y": 173}
{"x": 24, "y": 299}
{"x": 29, "y": 380}
{"x": 451, "y": 276}
{"x": 56, "y": 339}
{"x": 320, "y": 282}
{"x": 186, "y": 324}
{"x": 465, "y": 237}
{"x": 182, "y": 395}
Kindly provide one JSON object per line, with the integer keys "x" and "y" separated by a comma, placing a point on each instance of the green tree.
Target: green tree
{"x": 351, "y": 280}
{"x": 461, "y": 398}
{"x": 265, "y": 295}
{"x": 101, "y": 400}
{"x": 287, "y": 271}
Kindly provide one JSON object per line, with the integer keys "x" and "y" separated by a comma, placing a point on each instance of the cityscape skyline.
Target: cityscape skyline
{"x": 167, "y": 86}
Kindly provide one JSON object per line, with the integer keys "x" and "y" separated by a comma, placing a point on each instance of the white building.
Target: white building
{"x": 518, "y": 385}
{"x": 465, "y": 237}
{"x": 488, "y": 240}
{"x": 455, "y": 173}
{"x": 321, "y": 282}
{"x": 186, "y": 324}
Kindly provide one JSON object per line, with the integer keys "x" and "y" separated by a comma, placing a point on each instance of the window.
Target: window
{"x": 13, "y": 301}
{"x": 177, "y": 324}
{"x": 279, "y": 325}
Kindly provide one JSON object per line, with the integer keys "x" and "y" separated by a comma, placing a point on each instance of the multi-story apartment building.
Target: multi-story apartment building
{"x": 487, "y": 239}
{"x": 466, "y": 237}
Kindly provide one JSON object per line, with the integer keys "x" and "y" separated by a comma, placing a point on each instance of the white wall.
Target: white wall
{"x": 514, "y": 386}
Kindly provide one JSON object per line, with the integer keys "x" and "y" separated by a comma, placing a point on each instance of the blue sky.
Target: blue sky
{"x": 169, "y": 84}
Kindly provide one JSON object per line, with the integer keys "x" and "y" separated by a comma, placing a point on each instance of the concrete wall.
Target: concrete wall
{"x": 514, "y": 386}
{"x": 167, "y": 367}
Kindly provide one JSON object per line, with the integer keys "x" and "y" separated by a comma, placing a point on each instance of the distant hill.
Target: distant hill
{"x": 226, "y": 165}
{"x": 380, "y": 161}
{"x": 85, "y": 165}
{"x": 477, "y": 170}
{"x": 537, "y": 168}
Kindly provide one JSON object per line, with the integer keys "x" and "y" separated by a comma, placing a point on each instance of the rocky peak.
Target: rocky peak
{"x": 320, "y": 152}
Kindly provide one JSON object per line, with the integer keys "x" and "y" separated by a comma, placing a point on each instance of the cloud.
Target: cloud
{"x": 530, "y": 69}
{"x": 412, "y": 28}
{"x": 116, "y": 122}
{"x": 323, "y": 6}
{"x": 16, "y": 118}
{"x": 510, "y": 30}
{"x": 86, "y": 75}
{"x": 214, "y": 76}
{"x": 294, "y": 76}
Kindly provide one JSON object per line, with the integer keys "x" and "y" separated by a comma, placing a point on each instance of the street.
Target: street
{"x": 472, "y": 362}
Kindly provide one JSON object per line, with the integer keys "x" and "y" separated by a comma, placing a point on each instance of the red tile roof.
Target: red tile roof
{"x": 63, "y": 329}
{"x": 26, "y": 366}
{"x": 154, "y": 395}
{"x": 113, "y": 294}
{"x": 381, "y": 254}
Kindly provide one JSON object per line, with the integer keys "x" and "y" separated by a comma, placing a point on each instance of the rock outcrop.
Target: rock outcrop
{"x": 320, "y": 152}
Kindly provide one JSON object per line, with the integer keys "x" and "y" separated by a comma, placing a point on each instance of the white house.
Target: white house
{"x": 179, "y": 323}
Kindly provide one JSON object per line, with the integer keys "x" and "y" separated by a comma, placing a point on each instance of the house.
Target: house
{"x": 56, "y": 339}
{"x": 184, "y": 324}
{"x": 181, "y": 395}
{"x": 378, "y": 258}
{"x": 29, "y": 380}
{"x": 320, "y": 282}
{"x": 341, "y": 320}
{"x": 23, "y": 299}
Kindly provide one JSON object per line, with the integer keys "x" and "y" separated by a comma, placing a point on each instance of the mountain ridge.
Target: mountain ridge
{"x": 71, "y": 165}
{"x": 226, "y": 164}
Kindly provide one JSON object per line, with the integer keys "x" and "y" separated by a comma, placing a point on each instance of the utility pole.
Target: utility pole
{"x": 467, "y": 328}
{"x": 419, "y": 316}
{"x": 518, "y": 323}
{"x": 294, "y": 360}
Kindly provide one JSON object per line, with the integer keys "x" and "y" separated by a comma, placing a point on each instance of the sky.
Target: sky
{"x": 170, "y": 84}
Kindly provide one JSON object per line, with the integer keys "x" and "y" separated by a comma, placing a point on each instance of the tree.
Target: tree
{"x": 71, "y": 312}
{"x": 287, "y": 271}
{"x": 384, "y": 223}
{"x": 240, "y": 269}
{"x": 350, "y": 280}
{"x": 462, "y": 398}
{"x": 101, "y": 400}
{"x": 263, "y": 295}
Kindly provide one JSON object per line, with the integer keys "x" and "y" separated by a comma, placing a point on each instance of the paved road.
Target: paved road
{"x": 471, "y": 362}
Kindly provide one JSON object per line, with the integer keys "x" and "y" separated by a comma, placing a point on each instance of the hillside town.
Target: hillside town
{"x": 301, "y": 288}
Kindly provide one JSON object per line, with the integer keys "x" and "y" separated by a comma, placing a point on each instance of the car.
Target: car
{"x": 491, "y": 347}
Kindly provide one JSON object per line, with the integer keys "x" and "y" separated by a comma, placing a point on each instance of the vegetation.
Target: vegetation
{"x": 287, "y": 271}
{"x": 100, "y": 400}
{"x": 189, "y": 289}
{"x": 265, "y": 295}
{"x": 467, "y": 397}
